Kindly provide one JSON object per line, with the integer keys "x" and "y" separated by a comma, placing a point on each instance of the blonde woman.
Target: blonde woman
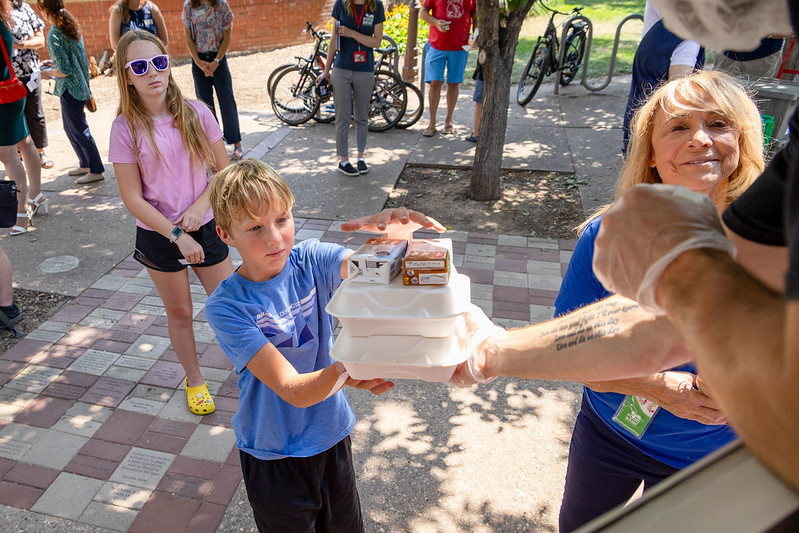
{"x": 359, "y": 29}
{"x": 702, "y": 132}
{"x": 162, "y": 146}
{"x": 127, "y": 15}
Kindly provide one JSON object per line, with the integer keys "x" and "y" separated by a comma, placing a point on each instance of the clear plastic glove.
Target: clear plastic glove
{"x": 647, "y": 229}
{"x": 472, "y": 333}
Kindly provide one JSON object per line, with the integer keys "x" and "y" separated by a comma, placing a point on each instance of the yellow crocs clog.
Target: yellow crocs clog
{"x": 200, "y": 400}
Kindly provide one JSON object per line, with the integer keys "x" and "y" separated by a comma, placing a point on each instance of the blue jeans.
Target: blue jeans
{"x": 73, "y": 116}
{"x": 223, "y": 83}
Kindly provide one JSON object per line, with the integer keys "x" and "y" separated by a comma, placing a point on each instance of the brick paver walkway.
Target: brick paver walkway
{"x": 94, "y": 426}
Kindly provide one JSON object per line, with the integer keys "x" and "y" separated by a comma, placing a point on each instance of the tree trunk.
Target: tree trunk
{"x": 497, "y": 63}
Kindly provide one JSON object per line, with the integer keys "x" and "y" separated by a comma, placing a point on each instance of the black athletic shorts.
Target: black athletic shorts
{"x": 153, "y": 250}
{"x": 304, "y": 494}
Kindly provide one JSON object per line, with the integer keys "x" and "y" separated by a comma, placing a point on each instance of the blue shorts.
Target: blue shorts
{"x": 477, "y": 96}
{"x": 435, "y": 61}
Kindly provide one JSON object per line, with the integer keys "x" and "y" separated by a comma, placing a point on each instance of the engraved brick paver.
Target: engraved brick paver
{"x": 143, "y": 468}
{"x": 68, "y": 496}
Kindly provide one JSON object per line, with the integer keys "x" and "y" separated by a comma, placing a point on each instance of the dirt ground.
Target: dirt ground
{"x": 533, "y": 203}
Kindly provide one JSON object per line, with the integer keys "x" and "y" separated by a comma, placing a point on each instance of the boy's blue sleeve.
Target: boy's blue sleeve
{"x": 327, "y": 259}
{"x": 236, "y": 329}
{"x": 580, "y": 286}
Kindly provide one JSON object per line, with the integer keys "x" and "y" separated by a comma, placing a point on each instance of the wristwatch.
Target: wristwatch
{"x": 217, "y": 60}
{"x": 176, "y": 232}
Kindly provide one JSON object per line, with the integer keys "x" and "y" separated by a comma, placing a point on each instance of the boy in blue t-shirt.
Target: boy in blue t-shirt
{"x": 293, "y": 422}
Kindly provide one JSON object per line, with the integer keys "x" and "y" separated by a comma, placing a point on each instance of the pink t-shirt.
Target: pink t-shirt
{"x": 459, "y": 13}
{"x": 170, "y": 189}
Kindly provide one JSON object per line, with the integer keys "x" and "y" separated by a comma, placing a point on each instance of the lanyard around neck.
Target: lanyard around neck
{"x": 358, "y": 19}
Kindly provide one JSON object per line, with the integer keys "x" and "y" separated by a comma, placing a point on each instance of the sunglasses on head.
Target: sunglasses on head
{"x": 140, "y": 66}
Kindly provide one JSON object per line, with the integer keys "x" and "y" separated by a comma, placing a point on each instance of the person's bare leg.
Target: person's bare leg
{"x": 33, "y": 166}
{"x": 6, "y": 287}
{"x": 434, "y": 96}
{"x": 173, "y": 287}
{"x": 15, "y": 171}
{"x": 452, "y": 100}
{"x": 211, "y": 276}
{"x": 478, "y": 113}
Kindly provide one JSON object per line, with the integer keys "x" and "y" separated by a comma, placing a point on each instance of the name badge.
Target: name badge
{"x": 359, "y": 56}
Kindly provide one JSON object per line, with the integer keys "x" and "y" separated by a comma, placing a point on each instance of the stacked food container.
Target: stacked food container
{"x": 400, "y": 331}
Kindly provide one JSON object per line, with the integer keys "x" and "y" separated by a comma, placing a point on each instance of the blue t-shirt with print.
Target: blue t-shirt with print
{"x": 289, "y": 312}
{"x": 347, "y": 45}
{"x": 670, "y": 439}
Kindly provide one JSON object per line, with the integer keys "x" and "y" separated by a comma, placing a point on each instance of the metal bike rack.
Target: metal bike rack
{"x": 590, "y": 33}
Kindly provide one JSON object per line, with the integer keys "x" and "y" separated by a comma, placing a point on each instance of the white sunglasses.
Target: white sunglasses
{"x": 140, "y": 66}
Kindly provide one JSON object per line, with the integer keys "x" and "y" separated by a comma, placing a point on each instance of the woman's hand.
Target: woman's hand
{"x": 190, "y": 249}
{"x": 325, "y": 75}
{"x": 344, "y": 31}
{"x": 398, "y": 223}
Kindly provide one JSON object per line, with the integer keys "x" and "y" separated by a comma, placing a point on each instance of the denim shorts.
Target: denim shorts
{"x": 435, "y": 61}
{"x": 153, "y": 250}
{"x": 477, "y": 96}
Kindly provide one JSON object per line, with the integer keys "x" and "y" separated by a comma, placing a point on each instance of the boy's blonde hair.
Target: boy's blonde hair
{"x": 704, "y": 90}
{"x": 243, "y": 188}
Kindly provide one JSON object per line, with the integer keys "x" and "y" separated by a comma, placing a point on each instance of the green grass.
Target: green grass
{"x": 605, "y": 17}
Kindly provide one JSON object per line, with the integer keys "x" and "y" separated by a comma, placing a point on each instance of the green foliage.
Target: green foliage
{"x": 396, "y": 26}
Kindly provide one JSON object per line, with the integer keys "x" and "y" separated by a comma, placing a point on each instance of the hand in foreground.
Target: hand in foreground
{"x": 375, "y": 386}
{"x": 647, "y": 228}
{"x": 395, "y": 222}
{"x": 472, "y": 333}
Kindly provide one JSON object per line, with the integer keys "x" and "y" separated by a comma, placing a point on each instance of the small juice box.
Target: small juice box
{"x": 377, "y": 261}
{"x": 427, "y": 262}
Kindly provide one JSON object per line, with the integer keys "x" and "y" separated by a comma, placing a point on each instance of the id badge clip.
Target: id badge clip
{"x": 359, "y": 56}
{"x": 635, "y": 414}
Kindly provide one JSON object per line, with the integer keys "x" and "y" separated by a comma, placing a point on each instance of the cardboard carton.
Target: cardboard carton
{"x": 377, "y": 261}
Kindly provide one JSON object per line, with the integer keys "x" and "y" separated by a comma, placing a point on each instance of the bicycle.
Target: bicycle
{"x": 414, "y": 106}
{"x": 545, "y": 59}
{"x": 293, "y": 90}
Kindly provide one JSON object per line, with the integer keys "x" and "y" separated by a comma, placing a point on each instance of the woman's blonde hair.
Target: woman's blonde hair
{"x": 184, "y": 116}
{"x": 704, "y": 90}
{"x": 243, "y": 188}
{"x": 371, "y": 6}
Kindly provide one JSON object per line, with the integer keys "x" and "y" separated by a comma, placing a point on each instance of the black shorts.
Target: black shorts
{"x": 315, "y": 493}
{"x": 153, "y": 250}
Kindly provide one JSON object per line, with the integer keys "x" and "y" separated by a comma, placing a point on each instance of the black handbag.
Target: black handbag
{"x": 8, "y": 203}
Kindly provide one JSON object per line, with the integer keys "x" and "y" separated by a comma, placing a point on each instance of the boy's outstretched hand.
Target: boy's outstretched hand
{"x": 395, "y": 223}
{"x": 375, "y": 386}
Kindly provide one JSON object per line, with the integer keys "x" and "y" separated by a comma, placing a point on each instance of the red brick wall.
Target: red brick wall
{"x": 258, "y": 24}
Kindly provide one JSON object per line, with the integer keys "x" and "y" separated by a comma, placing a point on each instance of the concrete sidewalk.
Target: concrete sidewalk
{"x": 94, "y": 432}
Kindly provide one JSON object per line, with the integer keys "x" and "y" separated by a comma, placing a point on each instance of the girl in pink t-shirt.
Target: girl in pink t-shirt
{"x": 162, "y": 146}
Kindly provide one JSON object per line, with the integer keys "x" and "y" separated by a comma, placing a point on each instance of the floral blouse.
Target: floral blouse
{"x": 208, "y": 24}
{"x": 69, "y": 57}
{"x": 26, "y": 24}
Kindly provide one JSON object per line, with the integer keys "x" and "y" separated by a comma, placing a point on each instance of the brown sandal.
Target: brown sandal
{"x": 430, "y": 131}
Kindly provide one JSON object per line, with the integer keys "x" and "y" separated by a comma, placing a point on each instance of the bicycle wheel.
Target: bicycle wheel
{"x": 413, "y": 108}
{"x": 533, "y": 74}
{"x": 573, "y": 57}
{"x": 389, "y": 99}
{"x": 295, "y": 99}
{"x": 270, "y": 83}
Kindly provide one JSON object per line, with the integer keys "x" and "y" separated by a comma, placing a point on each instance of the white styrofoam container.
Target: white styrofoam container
{"x": 397, "y": 309}
{"x": 399, "y": 356}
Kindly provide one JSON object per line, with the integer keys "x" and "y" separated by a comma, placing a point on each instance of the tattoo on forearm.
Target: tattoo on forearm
{"x": 592, "y": 322}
